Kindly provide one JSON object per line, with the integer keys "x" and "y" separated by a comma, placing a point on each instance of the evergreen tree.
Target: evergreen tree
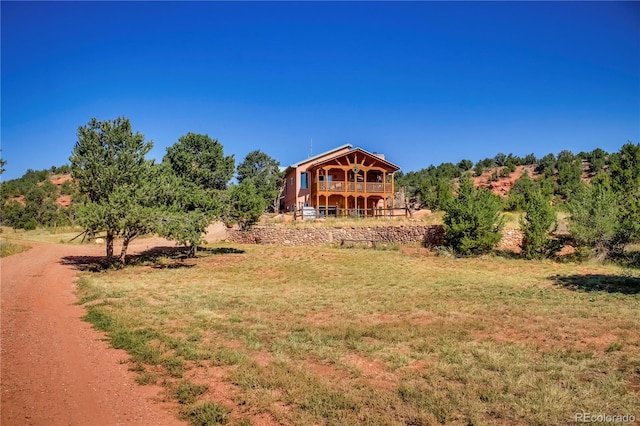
{"x": 265, "y": 174}
{"x": 200, "y": 159}
{"x": 547, "y": 165}
{"x": 2, "y": 164}
{"x": 529, "y": 159}
{"x": 569, "y": 174}
{"x": 597, "y": 160}
{"x": 524, "y": 185}
{"x": 194, "y": 179}
{"x": 500, "y": 159}
{"x": 245, "y": 204}
{"x": 473, "y": 222}
{"x": 14, "y": 215}
{"x": 108, "y": 162}
{"x": 434, "y": 193}
{"x": 625, "y": 182}
{"x": 537, "y": 224}
{"x": 465, "y": 165}
{"x": 186, "y": 209}
{"x": 595, "y": 223}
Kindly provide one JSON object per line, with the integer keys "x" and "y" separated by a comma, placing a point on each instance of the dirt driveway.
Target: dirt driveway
{"x": 55, "y": 369}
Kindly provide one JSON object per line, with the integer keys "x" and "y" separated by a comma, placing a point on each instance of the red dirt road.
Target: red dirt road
{"x": 56, "y": 369}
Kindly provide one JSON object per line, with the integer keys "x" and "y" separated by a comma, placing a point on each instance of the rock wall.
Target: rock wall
{"x": 511, "y": 240}
{"x": 431, "y": 235}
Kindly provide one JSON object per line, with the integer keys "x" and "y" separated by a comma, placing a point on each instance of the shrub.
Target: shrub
{"x": 473, "y": 221}
{"x": 538, "y": 222}
{"x": 625, "y": 182}
{"x": 434, "y": 193}
{"x": 595, "y": 221}
{"x": 15, "y": 215}
{"x": 245, "y": 205}
{"x": 522, "y": 186}
{"x": 30, "y": 225}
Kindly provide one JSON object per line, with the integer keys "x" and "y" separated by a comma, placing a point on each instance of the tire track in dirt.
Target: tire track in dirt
{"x": 55, "y": 369}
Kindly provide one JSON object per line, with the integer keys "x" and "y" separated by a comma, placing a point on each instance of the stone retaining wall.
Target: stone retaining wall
{"x": 511, "y": 240}
{"x": 432, "y": 235}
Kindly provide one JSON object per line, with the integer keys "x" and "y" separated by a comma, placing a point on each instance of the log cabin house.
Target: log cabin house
{"x": 344, "y": 181}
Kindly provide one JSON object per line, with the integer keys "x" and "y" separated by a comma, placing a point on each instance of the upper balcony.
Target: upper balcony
{"x": 353, "y": 187}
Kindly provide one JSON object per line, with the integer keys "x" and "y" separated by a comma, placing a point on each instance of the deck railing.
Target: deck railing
{"x": 340, "y": 186}
{"x": 333, "y": 211}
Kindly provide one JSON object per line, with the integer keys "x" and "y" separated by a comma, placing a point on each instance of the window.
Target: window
{"x": 303, "y": 180}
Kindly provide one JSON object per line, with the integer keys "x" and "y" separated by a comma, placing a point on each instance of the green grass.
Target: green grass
{"x": 187, "y": 393}
{"x": 7, "y": 248}
{"x": 205, "y": 414}
{"x": 324, "y": 335}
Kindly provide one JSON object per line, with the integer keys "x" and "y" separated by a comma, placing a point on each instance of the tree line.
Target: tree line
{"x": 119, "y": 193}
{"x": 560, "y": 175}
{"x": 603, "y": 212}
{"x": 32, "y": 200}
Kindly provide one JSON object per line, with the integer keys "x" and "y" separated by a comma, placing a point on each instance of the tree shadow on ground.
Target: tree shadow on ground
{"x": 220, "y": 250}
{"x": 599, "y": 282}
{"x": 86, "y": 263}
{"x": 156, "y": 257}
{"x": 508, "y": 254}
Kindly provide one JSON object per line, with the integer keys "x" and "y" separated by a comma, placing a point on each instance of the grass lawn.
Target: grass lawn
{"x": 325, "y": 335}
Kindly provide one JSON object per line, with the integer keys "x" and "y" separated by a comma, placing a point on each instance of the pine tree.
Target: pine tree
{"x": 595, "y": 220}
{"x": 537, "y": 224}
{"x": 108, "y": 162}
{"x": 473, "y": 221}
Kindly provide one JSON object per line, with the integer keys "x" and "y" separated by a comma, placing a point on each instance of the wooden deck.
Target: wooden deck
{"x": 351, "y": 187}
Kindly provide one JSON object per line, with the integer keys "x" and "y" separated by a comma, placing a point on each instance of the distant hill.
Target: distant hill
{"x": 501, "y": 185}
{"x": 558, "y": 175}
{"x": 39, "y": 198}
{"x": 492, "y": 180}
{"x": 63, "y": 200}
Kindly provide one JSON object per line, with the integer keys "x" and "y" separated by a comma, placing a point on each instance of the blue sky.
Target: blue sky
{"x": 422, "y": 82}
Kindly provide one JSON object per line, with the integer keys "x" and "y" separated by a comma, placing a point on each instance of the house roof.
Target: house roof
{"x": 316, "y": 157}
{"x": 382, "y": 160}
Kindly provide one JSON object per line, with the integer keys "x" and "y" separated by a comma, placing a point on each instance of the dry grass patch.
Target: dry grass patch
{"x": 62, "y": 234}
{"x": 323, "y": 335}
{"x": 7, "y": 248}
